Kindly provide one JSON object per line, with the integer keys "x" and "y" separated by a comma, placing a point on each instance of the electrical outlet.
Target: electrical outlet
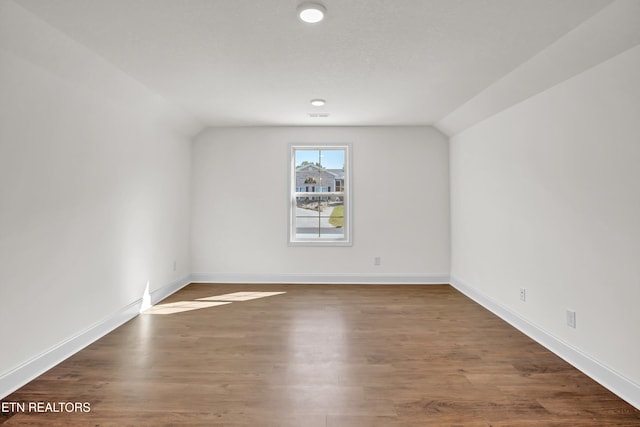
{"x": 376, "y": 260}
{"x": 571, "y": 318}
{"x": 523, "y": 294}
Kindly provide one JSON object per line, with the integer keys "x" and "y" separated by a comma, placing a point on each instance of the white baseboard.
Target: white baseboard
{"x": 310, "y": 278}
{"x": 598, "y": 371}
{"x": 37, "y": 365}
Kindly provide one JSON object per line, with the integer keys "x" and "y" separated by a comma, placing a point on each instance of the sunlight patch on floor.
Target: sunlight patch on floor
{"x": 206, "y": 302}
{"x": 240, "y": 296}
{"x": 182, "y": 306}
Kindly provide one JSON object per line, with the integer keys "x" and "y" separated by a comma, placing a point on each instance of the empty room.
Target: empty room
{"x": 327, "y": 213}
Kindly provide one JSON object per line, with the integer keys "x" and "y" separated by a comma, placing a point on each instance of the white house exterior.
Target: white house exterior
{"x": 311, "y": 178}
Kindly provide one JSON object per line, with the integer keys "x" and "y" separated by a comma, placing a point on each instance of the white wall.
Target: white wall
{"x": 94, "y": 189}
{"x": 400, "y": 204}
{"x": 546, "y": 195}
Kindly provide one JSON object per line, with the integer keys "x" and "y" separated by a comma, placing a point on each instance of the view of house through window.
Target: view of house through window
{"x": 319, "y": 197}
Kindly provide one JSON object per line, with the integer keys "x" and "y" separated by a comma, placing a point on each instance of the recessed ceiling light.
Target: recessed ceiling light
{"x": 311, "y": 12}
{"x": 318, "y": 102}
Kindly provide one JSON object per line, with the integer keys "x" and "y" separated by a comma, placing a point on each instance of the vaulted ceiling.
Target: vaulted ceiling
{"x": 376, "y": 62}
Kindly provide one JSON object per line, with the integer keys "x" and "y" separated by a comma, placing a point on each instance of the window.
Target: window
{"x": 318, "y": 215}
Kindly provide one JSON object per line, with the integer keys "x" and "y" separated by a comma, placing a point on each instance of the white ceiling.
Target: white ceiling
{"x": 376, "y": 62}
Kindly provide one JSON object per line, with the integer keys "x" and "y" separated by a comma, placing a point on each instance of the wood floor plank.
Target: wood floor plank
{"x": 321, "y": 356}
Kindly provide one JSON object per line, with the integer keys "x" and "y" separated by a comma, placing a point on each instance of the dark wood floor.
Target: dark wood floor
{"x": 320, "y": 356}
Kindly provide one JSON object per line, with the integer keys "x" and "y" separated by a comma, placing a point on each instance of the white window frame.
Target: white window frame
{"x": 347, "y": 240}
